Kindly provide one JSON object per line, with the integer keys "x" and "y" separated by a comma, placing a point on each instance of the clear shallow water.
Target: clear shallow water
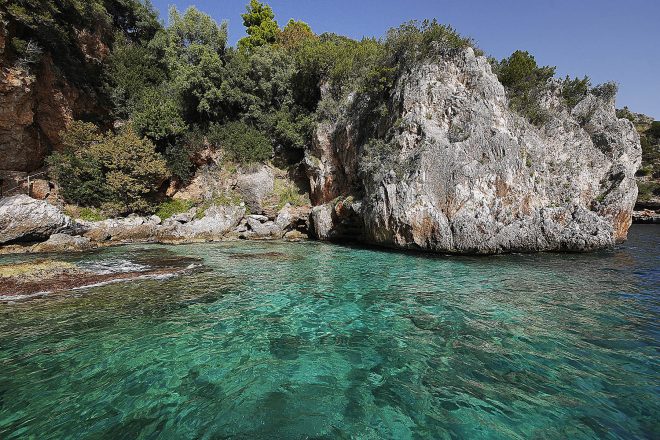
{"x": 276, "y": 340}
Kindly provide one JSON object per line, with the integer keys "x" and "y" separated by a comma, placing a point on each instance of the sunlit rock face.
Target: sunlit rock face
{"x": 38, "y": 102}
{"x": 465, "y": 174}
{"x": 24, "y": 219}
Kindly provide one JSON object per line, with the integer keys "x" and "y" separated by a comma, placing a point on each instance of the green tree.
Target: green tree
{"x": 525, "y": 81}
{"x": 119, "y": 172}
{"x": 133, "y": 170}
{"x": 194, "y": 47}
{"x": 295, "y": 34}
{"x": 131, "y": 68}
{"x": 260, "y": 25}
{"x": 158, "y": 116}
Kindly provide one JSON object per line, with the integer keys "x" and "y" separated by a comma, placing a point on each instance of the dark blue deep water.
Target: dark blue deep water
{"x": 317, "y": 341}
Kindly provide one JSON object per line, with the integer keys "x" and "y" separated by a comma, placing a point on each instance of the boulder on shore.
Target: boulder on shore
{"x": 24, "y": 219}
{"x": 64, "y": 243}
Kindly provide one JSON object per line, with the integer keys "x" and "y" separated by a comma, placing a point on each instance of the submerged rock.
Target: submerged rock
{"x": 24, "y": 219}
{"x": 464, "y": 174}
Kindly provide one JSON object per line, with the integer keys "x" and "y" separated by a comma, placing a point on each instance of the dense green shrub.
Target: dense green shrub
{"x": 525, "y": 82}
{"x": 654, "y": 130}
{"x": 173, "y": 206}
{"x": 606, "y": 91}
{"x": 242, "y": 143}
{"x": 648, "y": 190}
{"x": 79, "y": 174}
{"x": 574, "y": 90}
{"x": 91, "y": 215}
{"x": 119, "y": 172}
{"x": 414, "y": 41}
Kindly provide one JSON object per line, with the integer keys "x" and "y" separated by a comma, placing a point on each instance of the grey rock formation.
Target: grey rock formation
{"x": 24, "y": 219}
{"x": 285, "y": 218}
{"x": 464, "y": 174}
{"x": 64, "y": 243}
{"x": 255, "y": 186}
{"x": 184, "y": 217}
{"x": 217, "y": 222}
{"x": 265, "y": 230}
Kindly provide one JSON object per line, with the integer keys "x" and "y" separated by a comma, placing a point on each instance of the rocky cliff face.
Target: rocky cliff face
{"x": 464, "y": 174}
{"x": 36, "y": 104}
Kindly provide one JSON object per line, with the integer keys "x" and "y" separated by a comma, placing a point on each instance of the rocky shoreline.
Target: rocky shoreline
{"x": 34, "y": 226}
{"x": 646, "y": 217}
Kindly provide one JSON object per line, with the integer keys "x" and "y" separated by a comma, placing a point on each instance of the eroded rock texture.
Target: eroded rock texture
{"x": 464, "y": 174}
{"x": 24, "y": 219}
{"x": 37, "y": 103}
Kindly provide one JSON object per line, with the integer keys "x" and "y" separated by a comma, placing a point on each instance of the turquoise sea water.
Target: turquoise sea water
{"x": 317, "y": 341}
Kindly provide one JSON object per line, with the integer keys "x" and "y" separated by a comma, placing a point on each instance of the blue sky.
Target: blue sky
{"x": 615, "y": 40}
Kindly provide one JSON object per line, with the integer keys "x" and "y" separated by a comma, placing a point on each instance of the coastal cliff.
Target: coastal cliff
{"x": 144, "y": 132}
{"x": 461, "y": 173}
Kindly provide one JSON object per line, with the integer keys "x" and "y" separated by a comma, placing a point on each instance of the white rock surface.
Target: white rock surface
{"x": 24, "y": 219}
{"x": 465, "y": 174}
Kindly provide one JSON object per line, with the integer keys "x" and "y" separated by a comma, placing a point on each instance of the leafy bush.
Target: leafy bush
{"x": 654, "y": 130}
{"x": 606, "y": 91}
{"x": 414, "y": 41}
{"x": 574, "y": 90}
{"x": 90, "y": 215}
{"x": 648, "y": 190}
{"x": 120, "y": 172}
{"x": 79, "y": 175}
{"x": 525, "y": 82}
{"x": 132, "y": 169}
{"x": 173, "y": 206}
{"x": 243, "y": 143}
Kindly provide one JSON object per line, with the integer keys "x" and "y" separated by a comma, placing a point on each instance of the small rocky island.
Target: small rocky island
{"x": 416, "y": 141}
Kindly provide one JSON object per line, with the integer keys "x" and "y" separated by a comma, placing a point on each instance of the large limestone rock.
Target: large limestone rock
{"x": 464, "y": 174}
{"x": 64, "y": 243}
{"x": 37, "y": 104}
{"x": 24, "y": 219}
{"x": 216, "y": 223}
{"x": 255, "y": 186}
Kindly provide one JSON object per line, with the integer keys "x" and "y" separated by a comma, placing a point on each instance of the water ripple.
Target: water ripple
{"x": 309, "y": 340}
